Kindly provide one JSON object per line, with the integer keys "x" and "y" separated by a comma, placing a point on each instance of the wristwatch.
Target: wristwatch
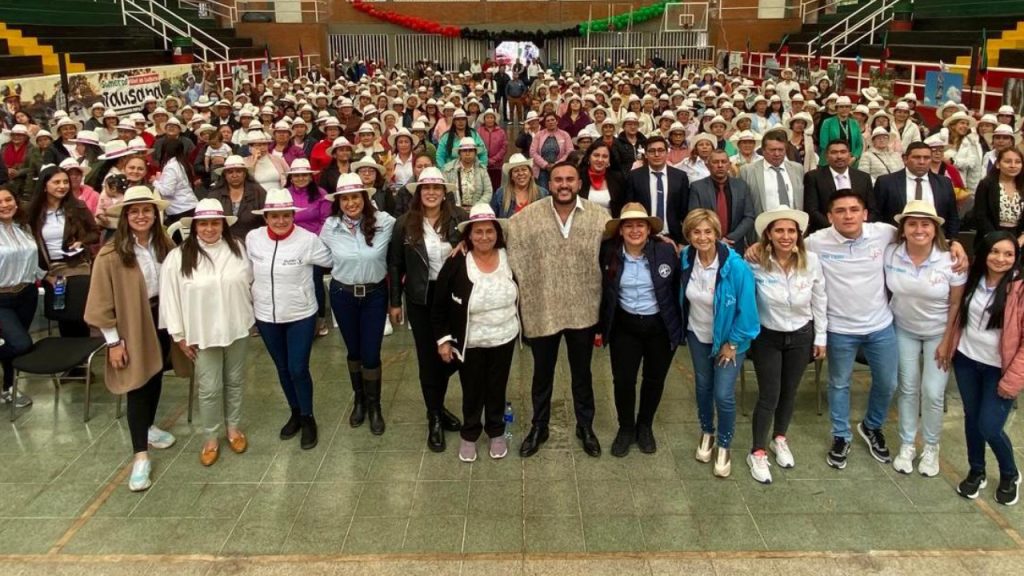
{"x": 730, "y": 346}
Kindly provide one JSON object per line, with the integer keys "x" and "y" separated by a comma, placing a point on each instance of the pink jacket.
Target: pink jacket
{"x": 496, "y": 143}
{"x": 564, "y": 148}
{"x": 1011, "y": 344}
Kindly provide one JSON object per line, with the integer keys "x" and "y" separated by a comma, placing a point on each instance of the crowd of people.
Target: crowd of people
{"x": 639, "y": 209}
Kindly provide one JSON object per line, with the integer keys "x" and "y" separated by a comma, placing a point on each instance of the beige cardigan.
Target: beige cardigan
{"x": 559, "y": 278}
{"x": 117, "y": 297}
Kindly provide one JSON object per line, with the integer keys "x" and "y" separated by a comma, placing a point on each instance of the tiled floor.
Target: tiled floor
{"x": 378, "y": 505}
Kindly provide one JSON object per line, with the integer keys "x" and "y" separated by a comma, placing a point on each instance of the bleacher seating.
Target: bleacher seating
{"x": 92, "y": 34}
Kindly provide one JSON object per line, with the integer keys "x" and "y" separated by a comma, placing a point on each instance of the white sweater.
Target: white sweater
{"x": 213, "y": 308}
{"x": 282, "y": 288}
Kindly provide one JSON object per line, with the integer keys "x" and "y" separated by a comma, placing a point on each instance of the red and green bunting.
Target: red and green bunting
{"x": 417, "y": 24}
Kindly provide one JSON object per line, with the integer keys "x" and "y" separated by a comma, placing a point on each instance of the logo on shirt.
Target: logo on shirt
{"x": 664, "y": 270}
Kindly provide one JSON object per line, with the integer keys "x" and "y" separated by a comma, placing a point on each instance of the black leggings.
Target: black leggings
{"x": 142, "y": 402}
{"x": 434, "y": 373}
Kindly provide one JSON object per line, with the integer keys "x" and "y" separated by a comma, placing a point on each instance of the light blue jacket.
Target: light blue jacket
{"x": 736, "y": 318}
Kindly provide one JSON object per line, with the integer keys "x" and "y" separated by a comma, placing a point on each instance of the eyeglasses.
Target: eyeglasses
{"x": 653, "y": 151}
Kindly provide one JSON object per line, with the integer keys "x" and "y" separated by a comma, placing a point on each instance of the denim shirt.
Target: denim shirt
{"x": 354, "y": 261}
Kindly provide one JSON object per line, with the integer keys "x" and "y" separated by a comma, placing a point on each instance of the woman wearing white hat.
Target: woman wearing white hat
{"x": 17, "y": 154}
{"x": 966, "y": 148}
{"x": 85, "y": 193}
{"x": 403, "y": 144}
{"x": 124, "y": 304}
{"x": 468, "y": 176}
{"x": 640, "y": 320}
{"x": 495, "y": 142}
{"x": 792, "y": 303}
{"x": 358, "y": 236}
{"x": 206, "y": 305}
{"x": 518, "y": 189}
{"x": 904, "y": 126}
{"x": 62, "y": 147}
{"x": 282, "y": 146}
{"x": 284, "y": 257}
{"x": 306, "y": 194}
{"x": 696, "y": 165}
{"x": 368, "y": 144}
{"x": 475, "y": 321}
{"x": 879, "y": 159}
{"x": 268, "y": 170}
{"x": 451, "y": 140}
{"x": 107, "y": 131}
{"x": 239, "y": 195}
{"x": 423, "y": 239}
{"x": 800, "y": 144}
{"x": 925, "y": 297}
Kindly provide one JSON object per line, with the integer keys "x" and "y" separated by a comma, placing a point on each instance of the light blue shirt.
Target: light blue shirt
{"x": 354, "y": 261}
{"x": 636, "y": 288}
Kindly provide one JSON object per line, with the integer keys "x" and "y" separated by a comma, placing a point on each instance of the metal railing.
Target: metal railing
{"x": 226, "y": 11}
{"x": 288, "y": 12}
{"x": 252, "y": 68}
{"x": 874, "y": 14}
{"x": 806, "y": 12}
{"x": 858, "y": 75}
{"x": 164, "y": 22}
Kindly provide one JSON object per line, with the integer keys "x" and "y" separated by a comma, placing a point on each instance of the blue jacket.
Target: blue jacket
{"x": 661, "y": 257}
{"x": 736, "y": 318}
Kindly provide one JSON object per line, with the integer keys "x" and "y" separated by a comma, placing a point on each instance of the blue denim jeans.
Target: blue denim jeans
{"x": 882, "y": 355}
{"x": 361, "y": 321}
{"x": 289, "y": 345}
{"x": 985, "y": 414}
{"x": 922, "y": 388}
{"x": 716, "y": 388}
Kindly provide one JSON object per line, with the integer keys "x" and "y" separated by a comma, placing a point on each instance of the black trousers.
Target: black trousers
{"x": 434, "y": 373}
{"x": 142, "y": 402}
{"x": 780, "y": 359}
{"x": 580, "y": 349}
{"x": 17, "y": 309}
{"x": 634, "y": 339}
{"x": 484, "y": 375}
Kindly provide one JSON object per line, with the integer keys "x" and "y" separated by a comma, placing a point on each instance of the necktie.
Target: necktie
{"x": 918, "y": 191}
{"x": 780, "y": 182}
{"x": 659, "y": 210}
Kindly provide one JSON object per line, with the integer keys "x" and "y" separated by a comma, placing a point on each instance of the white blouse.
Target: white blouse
{"x": 438, "y": 249}
{"x": 53, "y": 233}
{"x": 19, "y": 257}
{"x": 492, "y": 304}
{"x": 788, "y": 301}
{"x": 266, "y": 174}
{"x": 977, "y": 342}
{"x": 213, "y": 308}
{"x": 700, "y": 292}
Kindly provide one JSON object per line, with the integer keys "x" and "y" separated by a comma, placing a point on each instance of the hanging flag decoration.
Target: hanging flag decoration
{"x": 885, "y": 52}
{"x": 415, "y": 23}
{"x": 783, "y": 47}
{"x": 980, "y": 64}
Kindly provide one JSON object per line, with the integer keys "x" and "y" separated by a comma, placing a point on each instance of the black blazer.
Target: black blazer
{"x": 704, "y": 193}
{"x": 677, "y": 186}
{"x": 409, "y": 262}
{"x": 986, "y": 208}
{"x": 664, "y": 265}
{"x": 617, "y": 189}
{"x": 819, "y": 187}
{"x": 890, "y": 194}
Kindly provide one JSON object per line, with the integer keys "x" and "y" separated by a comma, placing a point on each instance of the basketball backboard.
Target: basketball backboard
{"x": 686, "y": 16}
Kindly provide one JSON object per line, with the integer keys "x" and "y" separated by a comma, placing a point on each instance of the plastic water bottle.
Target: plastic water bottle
{"x": 59, "y": 300}
{"x": 510, "y": 418}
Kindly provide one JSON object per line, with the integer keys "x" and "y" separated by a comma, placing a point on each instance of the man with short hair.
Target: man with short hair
{"x": 773, "y": 180}
{"x": 662, "y": 190}
{"x": 916, "y": 182}
{"x": 820, "y": 184}
{"x": 553, "y": 249}
{"x": 859, "y": 319}
{"x": 728, "y": 197}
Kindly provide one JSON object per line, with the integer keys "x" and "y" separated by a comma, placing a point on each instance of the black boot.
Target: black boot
{"x": 371, "y": 383}
{"x": 291, "y": 427}
{"x": 308, "y": 432}
{"x": 450, "y": 422}
{"x": 355, "y": 372}
{"x": 435, "y": 432}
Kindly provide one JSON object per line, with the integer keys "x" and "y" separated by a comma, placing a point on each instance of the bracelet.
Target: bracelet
{"x": 115, "y": 344}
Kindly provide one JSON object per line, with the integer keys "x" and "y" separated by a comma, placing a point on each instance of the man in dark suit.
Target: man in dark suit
{"x": 916, "y": 182}
{"x": 820, "y": 184}
{"x": 727, "y": 197}
{"x": 670, "y": 202}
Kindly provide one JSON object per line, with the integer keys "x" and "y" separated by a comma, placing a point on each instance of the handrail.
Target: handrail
{"x": 804, "y": 12}
{"x": 844, "y": 24}
{"x": 210, "y": 48}
{"x": 226, "y": 11}
{"x": 870, "y": 20}
{"x": 320, "y": 8}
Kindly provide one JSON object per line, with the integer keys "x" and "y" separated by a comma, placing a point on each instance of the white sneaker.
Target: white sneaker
{"x": 705, "y": 447}
{"x": 928, "y": 465}
{"x": 759, "y": 467}
{"x": 160, "y": 439}
{"x": 904, "y": 461}
{"x": 723, "y": 462}
{"x": 388, "y": 328}
{"x": 139, "y": 479}
{"x": 783, "y": 457}
{"x": 22, "y": 400}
